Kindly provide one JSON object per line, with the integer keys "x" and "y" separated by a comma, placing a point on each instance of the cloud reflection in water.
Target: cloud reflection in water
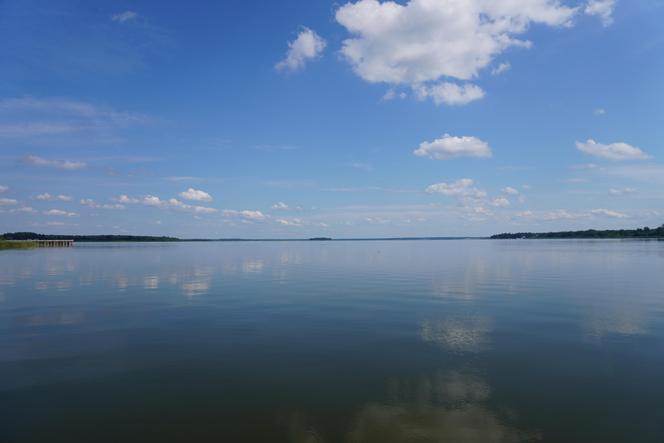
{"x": 462, "y": 334}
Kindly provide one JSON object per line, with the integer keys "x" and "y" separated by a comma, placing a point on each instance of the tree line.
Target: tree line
{"x": 85, "y": 238}
{"x": 645, "y": 232}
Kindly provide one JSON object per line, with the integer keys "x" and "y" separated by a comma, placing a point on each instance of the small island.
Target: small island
{"x": 640, "y": 233}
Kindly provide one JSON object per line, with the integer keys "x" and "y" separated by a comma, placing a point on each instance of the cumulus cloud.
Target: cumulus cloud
{"x": 306, "y": 47}
{"x": 423, "y": 42}
{"x": 151, "y": 200}
{"x": 245, "y": 214}
{"x": 450, "y": 93}
{"x": 196, "y": 195}
{"x": 7, "y": 201}
{"x": 125, "y": 199}
{"x": 58, "y": 164}
{"x": 461, "y": 188}
{"x": 510, "y": 191}
{"x": 60, "y": 213}
{"x": 203, "y": 210}
{"x": 602, "y": 9}
{"x": 599, "y": 111}
{"x": 501, "y": 68}
{"x": 293, "y": 222}
{"x": 48, "y": 197}
{"x": 451, "y": 147}
{"x": 156, "y": 202}
{"x": 612, "y": 151}
{"x": 280, "y": 205}
{"x": 94, "y": 205}
{"x": 4, "y": 188}
{"x": 608, "y": 213}
{"x": 391, "y": 94}
{"x": 125, "y": 16}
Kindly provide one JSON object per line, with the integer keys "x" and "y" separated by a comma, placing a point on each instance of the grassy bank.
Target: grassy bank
{"x": 12, "y": 244}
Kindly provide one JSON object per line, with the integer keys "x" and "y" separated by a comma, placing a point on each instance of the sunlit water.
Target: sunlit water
{"x": 377, "y": 342}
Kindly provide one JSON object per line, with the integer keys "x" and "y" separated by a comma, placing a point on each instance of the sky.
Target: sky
{"x": 292, "y": 119}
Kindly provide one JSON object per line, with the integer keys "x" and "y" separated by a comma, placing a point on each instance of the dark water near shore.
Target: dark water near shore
{"x": 303, "y": 342}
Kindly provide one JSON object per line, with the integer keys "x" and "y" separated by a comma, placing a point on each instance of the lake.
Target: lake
{"x": 343, "y": 341}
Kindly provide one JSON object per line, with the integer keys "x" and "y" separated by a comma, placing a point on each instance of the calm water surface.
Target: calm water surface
{"x": 303, "y": 342}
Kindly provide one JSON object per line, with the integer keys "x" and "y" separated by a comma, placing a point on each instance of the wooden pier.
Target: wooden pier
{"x": 54, "y": 243}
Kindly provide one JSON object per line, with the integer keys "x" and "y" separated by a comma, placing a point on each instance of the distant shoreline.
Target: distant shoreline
{"x": 640, "y": 233}
{"x": 28, "y": 236}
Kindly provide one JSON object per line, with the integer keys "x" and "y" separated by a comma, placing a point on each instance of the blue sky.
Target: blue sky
{"x": 302, "y": 118}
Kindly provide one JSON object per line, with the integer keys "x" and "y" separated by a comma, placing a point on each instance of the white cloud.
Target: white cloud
{"x": 451, "y": 147}
{"x": 307, "y": 46}
{"x": 48, "y": 197}
{"x": 461, "y": 188}
{"x": 510, "y": 191}
{"x": 450, "y": 93}
{"x": 602, "y": 9}
{"x": 280, "y": 205}
{"x": 599, "y": 111}
{"x": 293, "y": 222}
{"x": 501, "y": 68}
{"x": 563, "y": 214}
{"x": 125, "y": 16}
{"x": 7, "y": 201}
{"x": 151, "y": 200}
{"x": 60, "y": 213}
{"x": 558, "y": 214}
{"x": 156, "y": 202}
{"x": 424, "y": 41}
{"x": 613, "y": 151}
{"x": 500, "y": 202}
{"x": 391, "y": 94}
{"x": 475, "y": 211}
{"x": 125, "y": 199}
{"x": 196, "y": 195}
{"x": 92, "y": 204}
{"x": 608, "y": 213}
{"x": 245, "y": 214}
{"x": 4, "y": 188}
{"x": 203, "y": 210}
{"x": 615, "y": 192}
{"x": 59, "y": 164}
